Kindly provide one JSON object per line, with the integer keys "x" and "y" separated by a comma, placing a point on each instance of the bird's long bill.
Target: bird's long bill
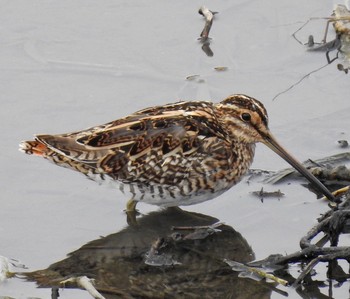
{"x": 272, "y": 143}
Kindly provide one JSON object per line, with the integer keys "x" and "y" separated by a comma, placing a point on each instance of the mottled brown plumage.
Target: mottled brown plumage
{"x": 176, "y": 154}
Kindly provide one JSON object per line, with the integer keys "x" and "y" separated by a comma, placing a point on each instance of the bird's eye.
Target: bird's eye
{"x": 246, "y": 116}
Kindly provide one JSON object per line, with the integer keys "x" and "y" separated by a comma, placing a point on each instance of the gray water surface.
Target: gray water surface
{"x": 68, "y": 65}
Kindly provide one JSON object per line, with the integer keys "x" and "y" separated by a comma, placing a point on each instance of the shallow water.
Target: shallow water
{"x": 69, "y": 65}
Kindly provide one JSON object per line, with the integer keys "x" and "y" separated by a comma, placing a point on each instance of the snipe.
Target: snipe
{"x": 177, "y": 154}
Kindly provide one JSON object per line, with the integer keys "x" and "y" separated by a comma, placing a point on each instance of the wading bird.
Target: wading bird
{"x": 177, "y": 154}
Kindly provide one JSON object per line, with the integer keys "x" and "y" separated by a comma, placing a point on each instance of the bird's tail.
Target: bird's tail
{"x": 34, "y": 147}
{"x": 39, "y": 148}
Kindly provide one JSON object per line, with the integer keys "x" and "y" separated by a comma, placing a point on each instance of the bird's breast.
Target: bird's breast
{"x": 184, "y": 180}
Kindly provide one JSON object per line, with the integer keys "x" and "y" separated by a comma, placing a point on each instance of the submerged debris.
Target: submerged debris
{"x": 341, "y": 44}
{"x": 332, "y": 224}
{"x": 331, "y": 168}
{"x": 85, "y": 283}
{"x": 7, "y": 267}
{"x": 159, "y": 254}
{"x": 209, "y": 18}
{"x": 192, "y": 77}
{"x": 339, "y": 192}
{"x": 214, "y": 227}
{"x": 343, "y": 143}
{"x": 221, "y": 68}
{"x": 204, "y": 36}
{"x": 264, "y": 194}
{"x": 254, "y": 272}
{"x": 156, "y": 257}
{"x": 338, "y": 173}
{"x": 195, "y": 78}
{"x": 341, "y": 24}
{"x": 4, "y": 268}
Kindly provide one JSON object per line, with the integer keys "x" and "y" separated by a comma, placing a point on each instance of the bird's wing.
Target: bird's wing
{"x": 176, "y": 128}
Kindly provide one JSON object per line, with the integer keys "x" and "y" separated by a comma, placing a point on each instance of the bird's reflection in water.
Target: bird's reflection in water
{"x": 190, "y": 265}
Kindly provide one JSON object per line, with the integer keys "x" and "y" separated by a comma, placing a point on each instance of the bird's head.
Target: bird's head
{"x": 245, "y": 120}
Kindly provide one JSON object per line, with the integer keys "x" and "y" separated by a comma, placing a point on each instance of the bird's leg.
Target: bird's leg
{"x": 131, "y": 205}
{"x": 131, "y": 212}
